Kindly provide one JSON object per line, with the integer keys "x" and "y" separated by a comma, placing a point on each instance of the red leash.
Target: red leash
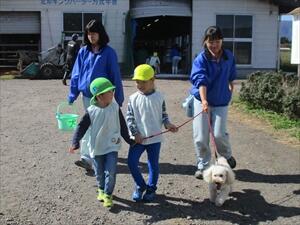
{"x": 165, "y": 131}
{"x": 209, "y": 127}
{"x": 212, "y": 136}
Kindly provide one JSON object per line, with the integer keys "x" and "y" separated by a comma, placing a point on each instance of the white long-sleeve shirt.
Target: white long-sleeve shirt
{"x": 146, "y": 114}
{"x": 105, "y": 130}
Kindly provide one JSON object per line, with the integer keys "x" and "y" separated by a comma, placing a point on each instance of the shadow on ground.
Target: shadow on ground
{"x": 164, "y": 168}
{"x": 250, "y": 176}
{"x": 247, "y": 207}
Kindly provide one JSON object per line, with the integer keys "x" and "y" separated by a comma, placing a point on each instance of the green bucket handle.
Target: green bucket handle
{"x": 64, "y": 104}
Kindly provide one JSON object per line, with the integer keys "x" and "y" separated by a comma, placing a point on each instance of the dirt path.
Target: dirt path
{"x": 41, "y": 185}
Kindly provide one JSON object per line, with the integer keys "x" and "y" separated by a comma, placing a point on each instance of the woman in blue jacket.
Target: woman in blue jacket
{"x": 212, "y": 76}
{"x": 95, "y": 59}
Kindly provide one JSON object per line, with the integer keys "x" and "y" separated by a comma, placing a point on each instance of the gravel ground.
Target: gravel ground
{"x": 41, "y": 185}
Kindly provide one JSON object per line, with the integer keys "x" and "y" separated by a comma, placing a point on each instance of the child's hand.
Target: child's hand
{"x": 171, "y": 127}
{"x": 138, "y": 139}
{"x": 72, "y": 149}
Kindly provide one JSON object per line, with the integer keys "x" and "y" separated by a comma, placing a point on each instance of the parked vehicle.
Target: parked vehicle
{"x": 51, "y": 64}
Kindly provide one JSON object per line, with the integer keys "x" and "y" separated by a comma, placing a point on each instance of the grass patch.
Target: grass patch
{"x": 277, "y": 121}
{"x": 7, "y": 77}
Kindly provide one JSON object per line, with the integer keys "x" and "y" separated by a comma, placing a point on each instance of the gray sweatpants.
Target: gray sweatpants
{"x": 218, "y": 116}
{"x": 84, "y": 149}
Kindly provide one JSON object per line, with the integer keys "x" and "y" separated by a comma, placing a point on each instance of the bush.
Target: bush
{"x": 273, "y": 91}
{"x": 291, "y": 103}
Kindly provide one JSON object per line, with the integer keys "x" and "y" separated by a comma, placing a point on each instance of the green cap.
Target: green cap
{"x": 99, "y": 86}
{"x": 143, "y": 72}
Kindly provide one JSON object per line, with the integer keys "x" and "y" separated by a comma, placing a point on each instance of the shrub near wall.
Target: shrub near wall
{"x": 273, "y": 91}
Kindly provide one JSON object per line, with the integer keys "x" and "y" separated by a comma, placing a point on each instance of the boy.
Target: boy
{"x": 107, "y": 124}
{"x": 145, "y": 116}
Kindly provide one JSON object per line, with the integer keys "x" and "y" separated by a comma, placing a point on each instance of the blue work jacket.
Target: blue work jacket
{"x": 214, "y": 75}
{"x": 89, "y": 66}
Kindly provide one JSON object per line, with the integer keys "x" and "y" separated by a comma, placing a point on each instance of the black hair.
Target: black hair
{"x": 97, "y": 27}
{"x": 212, "y": 33}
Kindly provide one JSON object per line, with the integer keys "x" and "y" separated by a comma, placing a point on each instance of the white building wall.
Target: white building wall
{"x": 52, "y": 18}
{"x": 265, "y": 26}
{"x": 295, "y": 54}
{"x": 148, "y": 8}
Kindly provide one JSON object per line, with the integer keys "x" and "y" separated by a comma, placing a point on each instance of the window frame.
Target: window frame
{"x": 101, "y": 14}
{"x": 67, "y": 34}
{"x": 234, "y": 39}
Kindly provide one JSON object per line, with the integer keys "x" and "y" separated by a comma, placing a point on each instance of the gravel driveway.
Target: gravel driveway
{"x": 41, "y": 185}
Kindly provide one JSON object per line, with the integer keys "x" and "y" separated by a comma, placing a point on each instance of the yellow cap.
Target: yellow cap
{"x": 143, "y": 72}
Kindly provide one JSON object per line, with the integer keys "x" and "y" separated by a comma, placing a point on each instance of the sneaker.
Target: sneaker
{"x": 82, "y": 163}
{"x": 64, "y": 81}
{"x": 107, "y": 201}
{"x": 232, "y": 163}
{"x": 137, "y": 195}
{"x": 100, "y": 195}
{"x": 199, "y": 174}
{"x": 149, "y": 195}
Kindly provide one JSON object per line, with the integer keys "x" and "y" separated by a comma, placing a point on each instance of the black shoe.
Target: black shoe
{"x": 82, "y": 163}
{"x": 232, "y": 163}
{"x": 90, "y": 173}
{"x": 64, "y": 81}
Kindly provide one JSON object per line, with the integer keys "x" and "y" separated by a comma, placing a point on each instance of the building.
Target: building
{"x": 295, "y": 56}
{"x": 137, "y": 28}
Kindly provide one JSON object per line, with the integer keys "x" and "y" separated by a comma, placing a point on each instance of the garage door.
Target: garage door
{"x": 150, "y": 8}
{"x": 20, "y": 23}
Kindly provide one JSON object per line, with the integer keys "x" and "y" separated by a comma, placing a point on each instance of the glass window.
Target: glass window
{"x": 228, "y": 45}
{"x": 73, "y": 22}
{"x": 87, "y": 17}
{"x": 243, "y": 26}
{"x": 242, "y": 52}
{"x": 226, "y": 24}
{"x": 237, "y": 31}
{"x": 76, "y": 22}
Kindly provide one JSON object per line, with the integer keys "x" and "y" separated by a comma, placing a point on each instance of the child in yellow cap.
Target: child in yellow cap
{"x": 107, "y": 125}
{"x": 145, "y": 116}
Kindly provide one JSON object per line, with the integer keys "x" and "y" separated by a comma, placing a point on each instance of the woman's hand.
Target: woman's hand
{"x": 202, "y": 92}
{"x": 231, "y": 87}
{"x": 205, "y": 106}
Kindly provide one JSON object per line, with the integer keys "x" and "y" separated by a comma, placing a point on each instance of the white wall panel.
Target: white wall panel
{"x": 19, "y": 22}
{"x": 52, "y": 18}
{"x": 149, "y": 8}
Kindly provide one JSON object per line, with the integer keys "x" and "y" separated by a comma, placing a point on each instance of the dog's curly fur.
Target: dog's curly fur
{"x": 220, "y": 178}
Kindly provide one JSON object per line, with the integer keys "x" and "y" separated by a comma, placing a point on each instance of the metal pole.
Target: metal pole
{"x": 298, "y": 75}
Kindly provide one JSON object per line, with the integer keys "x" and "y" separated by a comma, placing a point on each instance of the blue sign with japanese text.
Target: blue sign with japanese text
{"x": 78, "y": 2}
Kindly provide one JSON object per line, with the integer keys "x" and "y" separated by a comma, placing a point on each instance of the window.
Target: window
{"x": 76, "y": 22}
{"x": 237, "y": 32}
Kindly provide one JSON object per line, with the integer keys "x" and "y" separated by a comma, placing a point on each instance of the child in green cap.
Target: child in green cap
{"x": 107, "y": 125}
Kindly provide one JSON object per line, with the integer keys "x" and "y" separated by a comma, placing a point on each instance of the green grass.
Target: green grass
{"x": 7, "y": 77}
{"x": 278, "y": 121}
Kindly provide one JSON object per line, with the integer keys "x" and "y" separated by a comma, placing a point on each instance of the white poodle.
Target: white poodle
{"x": 220, "y": 178}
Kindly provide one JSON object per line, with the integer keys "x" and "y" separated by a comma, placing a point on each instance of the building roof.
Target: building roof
{"x": 286, "y": 6}
{"x": 295, "y": 12}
